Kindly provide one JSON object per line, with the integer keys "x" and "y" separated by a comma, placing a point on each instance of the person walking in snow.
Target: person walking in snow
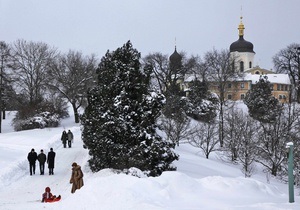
{"x": 50, "y": 161}
{"x": 31, "y": 157}
{"x": 70, "y": 138}
{"x": 76, "y": 178}
{"x": 42, "y": 159}
{"x": 64, "y": 138}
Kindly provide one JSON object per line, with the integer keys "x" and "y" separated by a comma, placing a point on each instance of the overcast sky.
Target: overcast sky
{"x": 94, "y": 26}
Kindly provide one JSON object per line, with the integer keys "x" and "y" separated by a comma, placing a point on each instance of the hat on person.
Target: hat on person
{"x": 32, "y": 150}
{"x": 74, "y": 164}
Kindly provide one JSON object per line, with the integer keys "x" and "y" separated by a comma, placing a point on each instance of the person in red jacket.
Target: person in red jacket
{"x": 48, "y": 197}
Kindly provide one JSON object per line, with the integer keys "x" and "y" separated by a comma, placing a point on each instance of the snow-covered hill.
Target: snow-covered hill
{"x": 197, "y": 184}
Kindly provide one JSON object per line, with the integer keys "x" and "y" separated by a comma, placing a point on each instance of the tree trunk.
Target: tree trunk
{"x": 0, "y": 123}
{"x": 221, "y": 126}
{"x": 76, "y": 115}
{"x": 298, "y": 92}
{"x": 274, "y": 170}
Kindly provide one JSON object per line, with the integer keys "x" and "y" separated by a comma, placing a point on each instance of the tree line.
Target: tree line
{"x": 36, "y": 78}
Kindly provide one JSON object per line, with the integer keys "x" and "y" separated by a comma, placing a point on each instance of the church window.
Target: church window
{"x": 250, "y": 64}
{"x": 278, "y": 87}
{"x": 242, "y": 85}
{"x": 241, "y": 66}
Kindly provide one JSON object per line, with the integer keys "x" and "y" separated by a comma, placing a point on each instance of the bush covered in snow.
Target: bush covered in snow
{"x": 41, "y": 120}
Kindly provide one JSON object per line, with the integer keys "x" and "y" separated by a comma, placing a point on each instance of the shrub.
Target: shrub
{"x": 42, "y": 120}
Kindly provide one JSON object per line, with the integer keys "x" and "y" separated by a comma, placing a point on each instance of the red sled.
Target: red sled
{"x": 51, "y": 200}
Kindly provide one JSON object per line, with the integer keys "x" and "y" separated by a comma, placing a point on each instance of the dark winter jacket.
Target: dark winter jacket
{"x": 64, "y": 137}
{"x": 32, "y": 156}
{"x": 70, "y": 136}
{"x": 50, "y": 159}
{"x": 41, "y": 158}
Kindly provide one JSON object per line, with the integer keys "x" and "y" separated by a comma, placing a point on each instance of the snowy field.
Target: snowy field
{"x": 197, "y": 184}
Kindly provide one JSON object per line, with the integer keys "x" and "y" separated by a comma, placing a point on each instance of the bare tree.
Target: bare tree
{"x": 178, "y": 129}
{"x": 206, "y": 137}
{"x": 292, "y": 117}
{"x": 221, "y": 71}
{"x": 164, "y": 74}
{"x": 240, "y": 139}
{"x": 233, "y": 133}
{"x": 72, "y": 75}
{"x": 248, "y": 142}
{"x": 4, "y": 56}
{"x": 30, "y": 62}
{"x": 271, "y": 148}
{"x": 288, "y": 61}
{"x": 161, "y": 71}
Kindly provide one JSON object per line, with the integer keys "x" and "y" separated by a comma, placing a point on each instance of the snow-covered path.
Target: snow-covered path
{"x": 17, "y": 186}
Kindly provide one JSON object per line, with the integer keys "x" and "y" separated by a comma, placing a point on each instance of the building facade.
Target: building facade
{"x": 242, "y": 53}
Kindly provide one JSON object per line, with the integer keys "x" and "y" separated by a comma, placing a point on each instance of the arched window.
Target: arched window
{"x": 250, "y": 65}
{"x": 242, "y": 66}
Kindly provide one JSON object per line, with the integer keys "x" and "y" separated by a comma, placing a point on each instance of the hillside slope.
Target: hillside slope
{"x": 197, "y": 184}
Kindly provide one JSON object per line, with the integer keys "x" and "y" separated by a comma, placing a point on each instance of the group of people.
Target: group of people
{"x": 32, "y": 157}
{"x": 77, "y": 174}
{"x": 67, "y": 138}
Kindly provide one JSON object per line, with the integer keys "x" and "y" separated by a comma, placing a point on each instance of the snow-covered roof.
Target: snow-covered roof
{"x": 254, "y": 78}
{"x": 191, "y": 77}
{"x": 272, "y": 78}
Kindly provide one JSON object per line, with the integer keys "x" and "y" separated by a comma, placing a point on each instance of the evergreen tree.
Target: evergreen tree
{"x": 262, "y": 105}
{"x": 201, "y": 104}
{"x": 119, "y": 123}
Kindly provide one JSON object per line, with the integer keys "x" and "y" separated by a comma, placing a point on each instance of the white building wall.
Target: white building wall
{"x": 246, "y": 57}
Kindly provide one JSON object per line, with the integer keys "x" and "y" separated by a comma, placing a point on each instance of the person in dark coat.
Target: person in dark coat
{"x": 64, "y": 138}
{"x": 50, "y": 161}
{"x": 42, "y": 159}
{"x": 32, "y": 156}
{"x": 76, "y": 178}
{"x": 70, "y": 138}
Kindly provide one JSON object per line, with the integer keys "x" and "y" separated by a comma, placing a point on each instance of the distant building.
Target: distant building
{"x": 247, "y": 75}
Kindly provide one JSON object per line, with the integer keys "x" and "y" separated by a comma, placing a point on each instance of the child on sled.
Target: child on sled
{"x": 48, "y": 197}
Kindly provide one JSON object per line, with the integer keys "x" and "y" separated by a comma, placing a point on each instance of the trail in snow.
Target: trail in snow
{"x": 24, "y": 188}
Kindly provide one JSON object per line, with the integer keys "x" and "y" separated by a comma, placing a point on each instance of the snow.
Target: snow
{"x": 254, "y": 78}
{"x": 199, "y": 183}
{"x": 272, "y": 78}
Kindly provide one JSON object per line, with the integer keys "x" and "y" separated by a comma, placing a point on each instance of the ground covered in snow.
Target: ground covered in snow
{"x": 197, "y": 184}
